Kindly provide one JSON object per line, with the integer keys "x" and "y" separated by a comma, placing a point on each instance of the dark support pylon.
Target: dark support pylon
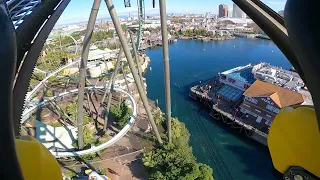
{"x": 113, "y": 79}
{"x": 135, "y": 53}
{"x": 83, "y": 68}
{"x": 166, "y": 66}
{"x": 135, "y": 75}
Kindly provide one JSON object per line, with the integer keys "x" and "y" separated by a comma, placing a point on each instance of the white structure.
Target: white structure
{"x": 278, "y": 76}
{"x": 96, "y": 69}
{"x": 60, "y": 138}
{"x": 239, "y": 77}
{"x": 238, "y": 13}
{"x": 237, "y": 21}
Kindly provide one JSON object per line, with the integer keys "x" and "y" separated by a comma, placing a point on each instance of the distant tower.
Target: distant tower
{"x": 230, "y": 12}
{"x": 223, "y": 10}
{"x": 237, "y": 12}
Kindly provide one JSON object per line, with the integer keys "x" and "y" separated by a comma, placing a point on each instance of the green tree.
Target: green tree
{"x": 158, "y": 116}
{"x": 78, "y": 34}
{"x": 101, "y": 35}
{"x": 172, "y": 162}
{"x": 54, "y": 59}
{"x": 120, "y": 114}
{"x": 69, "y": 174}
{"x": 175, "y": 161}
{"x": 89, "y": 138}
{"x": 205, "y": 172}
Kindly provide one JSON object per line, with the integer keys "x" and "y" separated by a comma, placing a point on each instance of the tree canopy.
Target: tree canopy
{"x": 101, "y": 35}
{"x": 175, "y": 160}
{"x": 120, "y": 114}
{"x": 158, "y": 116}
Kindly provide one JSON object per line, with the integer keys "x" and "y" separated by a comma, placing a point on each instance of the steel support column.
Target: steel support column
{"x": 113, "y": 79}
{"x": 83, "y": 68}
{"x": 166, "y": 66}
{"x": 126, "y": 50}
{"x": 137, "y": 59}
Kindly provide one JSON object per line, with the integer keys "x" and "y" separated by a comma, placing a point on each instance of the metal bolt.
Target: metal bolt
{"x": 297, "y": 177}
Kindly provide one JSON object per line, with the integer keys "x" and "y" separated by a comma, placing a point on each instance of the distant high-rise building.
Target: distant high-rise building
{"x": 223, "y": 10}
{"x": 230, "y": 12}
{"x": 281, "y": 13}
{"x": 237, "y": 12}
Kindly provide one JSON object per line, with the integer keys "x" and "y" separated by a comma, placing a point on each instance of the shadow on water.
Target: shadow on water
{"x": 245, "y": 156}
{"x": 250, "y": 158}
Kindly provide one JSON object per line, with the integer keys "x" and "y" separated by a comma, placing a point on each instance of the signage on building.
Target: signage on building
{"x": 231, "y": 80}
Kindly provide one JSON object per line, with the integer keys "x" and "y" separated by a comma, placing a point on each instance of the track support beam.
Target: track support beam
{"x": 135, "y": 75}
{"x": 83, "y": 68}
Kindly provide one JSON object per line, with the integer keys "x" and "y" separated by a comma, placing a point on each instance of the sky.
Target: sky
{"x": 79, "y": 10}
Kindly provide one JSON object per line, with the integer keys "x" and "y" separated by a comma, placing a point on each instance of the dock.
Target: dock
{"x": 205, "y": 93}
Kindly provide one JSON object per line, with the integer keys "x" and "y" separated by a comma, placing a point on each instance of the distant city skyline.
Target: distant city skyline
{"x": 79, "y": 10}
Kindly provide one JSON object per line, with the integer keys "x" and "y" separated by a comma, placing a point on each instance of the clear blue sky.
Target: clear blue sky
{"x": 79, "y": 10}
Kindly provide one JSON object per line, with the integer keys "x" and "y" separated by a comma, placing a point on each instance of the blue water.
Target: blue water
{"x": 231, "y": 155}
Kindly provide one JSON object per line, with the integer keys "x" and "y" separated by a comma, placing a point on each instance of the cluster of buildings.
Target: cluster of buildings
{"x": 257, "y": 93}
{"x": 235, "y": 12}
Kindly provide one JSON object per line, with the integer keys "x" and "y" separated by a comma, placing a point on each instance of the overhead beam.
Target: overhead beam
{"x": 31, "y": 24}
{"x": 24, "y": 74}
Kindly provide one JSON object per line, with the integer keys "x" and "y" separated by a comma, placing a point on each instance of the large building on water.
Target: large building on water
{"x": 258, "y": 93}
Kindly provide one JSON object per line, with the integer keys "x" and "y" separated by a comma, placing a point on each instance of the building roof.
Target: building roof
{"x": 243, "y": 75}
{"x": 281, "y": 96}
{"x": 230, "y": 93}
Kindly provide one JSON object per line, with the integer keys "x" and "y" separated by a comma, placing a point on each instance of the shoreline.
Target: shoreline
{"x": 206, "y": 39}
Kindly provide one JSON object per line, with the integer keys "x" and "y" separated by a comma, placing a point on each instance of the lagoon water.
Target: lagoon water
{"x": 230, "y": 154}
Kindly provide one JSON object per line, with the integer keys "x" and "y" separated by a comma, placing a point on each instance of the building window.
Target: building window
{"x": 258, "y": 110}
{"x": 272, "y": 109}
{"x": 268, "y": 123}
{"x": 252, "y": 100}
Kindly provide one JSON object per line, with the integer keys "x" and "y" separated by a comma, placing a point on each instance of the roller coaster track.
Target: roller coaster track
{"x": 93, "y": 149}
{"x": 29, "y": 110}
{"x": 220, "y": 166}
{"x": 33, "y": 21}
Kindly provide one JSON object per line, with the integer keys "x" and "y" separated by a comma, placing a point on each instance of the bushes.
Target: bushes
{"x": 69, "y": 174}
{"x": 120, "y": 114}
{"x": 89, "y": 138}
{"x": 101, "y": 35}
{"x": 175, "y": 160}
{"x": 48, "y": 93}
{"x": 158, "y": 116}
{"x": 72, "y": 109}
